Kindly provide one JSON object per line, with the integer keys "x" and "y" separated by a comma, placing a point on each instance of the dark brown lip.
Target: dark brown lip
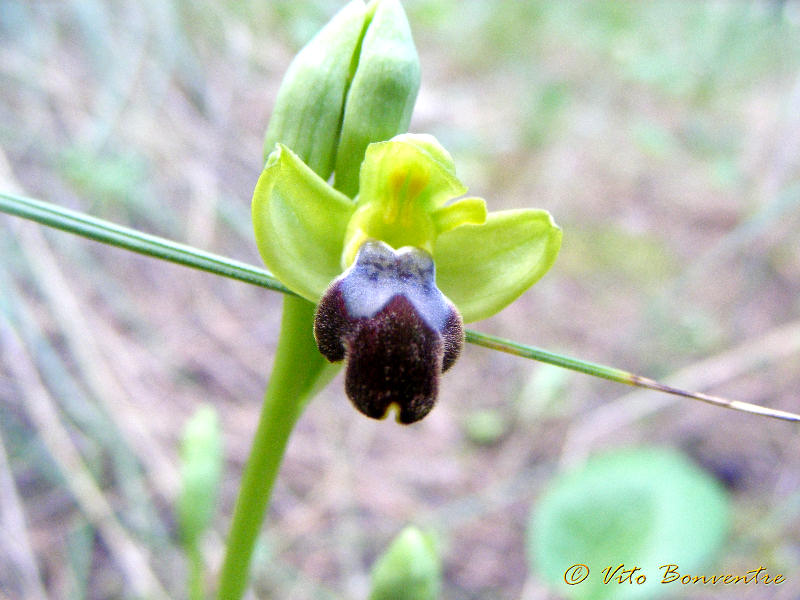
{"x": 397, "y": 347}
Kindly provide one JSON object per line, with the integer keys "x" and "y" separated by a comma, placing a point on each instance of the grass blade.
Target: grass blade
{"x": 105, "y": 232}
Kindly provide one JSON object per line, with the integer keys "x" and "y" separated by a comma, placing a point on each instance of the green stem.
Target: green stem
{"x": 618, "y": 375}
{"x": 109, "y": 233}
{"x": 196, "y": 568}
{"x": 297, "y": 371}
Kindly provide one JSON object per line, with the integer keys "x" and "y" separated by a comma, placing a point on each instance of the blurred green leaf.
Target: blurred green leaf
{"x": 117, "y": 178}
{"x": 80, "y": 545}
{"x": 485, "y": 427}
{"x": 640, "y": 257}
{"x": 543, "y": 112}
{"x": 409, "y": 569}
{"x": 654, "y": 139}
{"x": 544, "y": 394}
{"x": 201, "y": 471}
{"x": 637, "y": 507}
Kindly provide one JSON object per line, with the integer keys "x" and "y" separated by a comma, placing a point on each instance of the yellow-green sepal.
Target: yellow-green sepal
{"x": 483, "y": 268}
{"x": 299, "y": 223}
{"x": 404, "y": 183}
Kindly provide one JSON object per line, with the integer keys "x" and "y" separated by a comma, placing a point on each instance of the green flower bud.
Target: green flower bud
{"x": 201, "y": 470}
{"x": 383, "y": 92}
{"x": 409, "y": 570}
{"x": 310, "y": 104}
{"x": 354, "y": 83}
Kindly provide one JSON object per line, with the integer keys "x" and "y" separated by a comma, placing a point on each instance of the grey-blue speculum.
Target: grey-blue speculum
{"x": 395, "y": 328}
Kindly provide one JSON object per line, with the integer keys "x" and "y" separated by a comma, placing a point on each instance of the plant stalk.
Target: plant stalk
{"x": 106, "y": 232}
{"x": 297, "y": 371}
{"x": 196, "y": 571}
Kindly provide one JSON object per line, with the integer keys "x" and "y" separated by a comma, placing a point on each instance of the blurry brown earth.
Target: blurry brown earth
{"x": 663, "y": 137}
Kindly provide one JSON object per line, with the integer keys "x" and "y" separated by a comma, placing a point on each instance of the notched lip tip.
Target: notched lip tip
{"x": 393, "y": 409}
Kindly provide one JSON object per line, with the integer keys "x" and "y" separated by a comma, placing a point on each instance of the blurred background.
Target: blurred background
{"x": 664, "y": 138}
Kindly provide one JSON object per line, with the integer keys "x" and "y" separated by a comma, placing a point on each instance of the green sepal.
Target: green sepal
{"x": 383, "y": 91}
{"x": 483, "y": 268}
{"x": 299, "y": 222}
{"x": 403, "y": 183}
{"x": 310, "y": 102}
{"x": 410, "y": 167}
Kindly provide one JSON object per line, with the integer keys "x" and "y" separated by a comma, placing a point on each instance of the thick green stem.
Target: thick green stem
{"x": 297, "y": 371}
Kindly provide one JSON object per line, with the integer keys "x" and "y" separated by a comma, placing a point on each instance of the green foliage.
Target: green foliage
{"x": 80, "y": 545}
{"x": 485, "y": 427}
{"x": 104, "y": 178}
{"x": 637, "y": 507}
{"x": 641, "y": 257}
{"x": 544, "y": 394}
{"x": 409, "y": 569}
{"x": 201, "y": 470}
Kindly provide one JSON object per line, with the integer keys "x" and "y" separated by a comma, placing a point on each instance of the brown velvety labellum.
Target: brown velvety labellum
{"x": 396, "y": 330}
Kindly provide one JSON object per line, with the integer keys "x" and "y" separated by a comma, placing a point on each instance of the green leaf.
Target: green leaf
{"x": 640, "y": 508}
{"x": 409, "y": 569}
{"x": 382, "y": 94}
{"x": 201, "y": 470}
{"x": 310, "y": 102}
{"x": 299, "y": 223}
{"x": 483, "y": 268}
{"x": 485, "y": 427}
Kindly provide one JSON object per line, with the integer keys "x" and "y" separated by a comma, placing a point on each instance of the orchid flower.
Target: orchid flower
{"x": 396, "y": 270}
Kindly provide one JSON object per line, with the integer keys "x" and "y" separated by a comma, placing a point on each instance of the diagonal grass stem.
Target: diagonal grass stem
{"x": 112, "y": 234}
{"x": 618, "y": 375}
{"x": 106, "y": 232}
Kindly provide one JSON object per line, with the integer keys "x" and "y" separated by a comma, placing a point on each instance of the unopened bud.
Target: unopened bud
{"x": 201, "y": 471}
{"x": 381, "y": 98}
{"x": 354, "y": 83}
{"x": 308, "y": 110}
